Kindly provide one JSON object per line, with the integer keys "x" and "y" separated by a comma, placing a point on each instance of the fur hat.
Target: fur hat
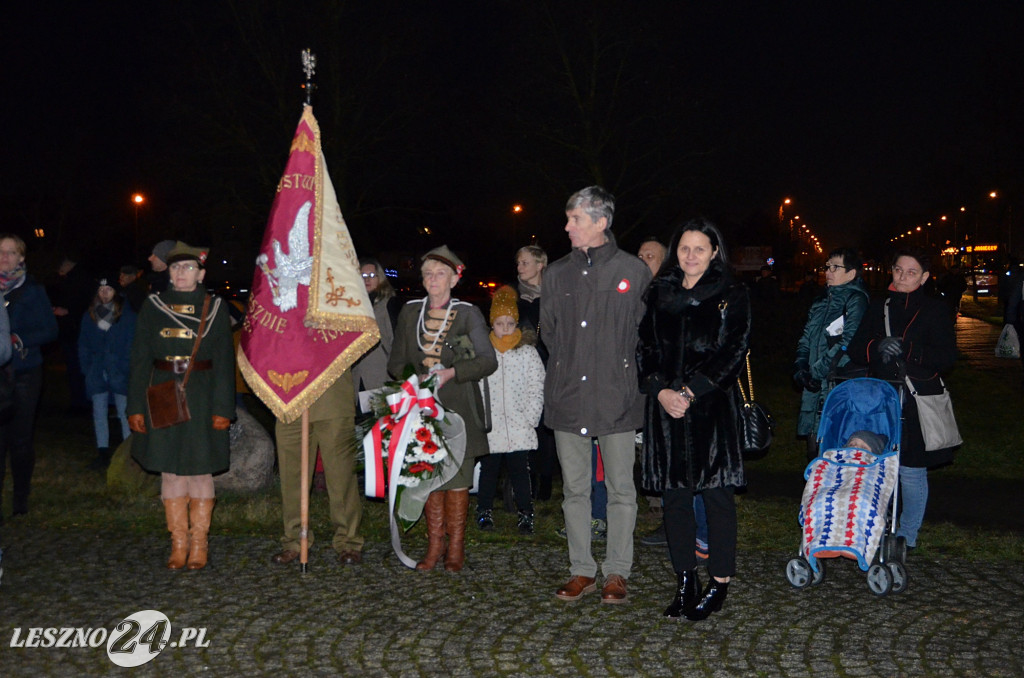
{"x": 504, "y": 302}
{"x": 446, "y": 257}
{"x": 185, "y": 252}
{"x": 162, "y": 249}
{"x": 875, "y": 441}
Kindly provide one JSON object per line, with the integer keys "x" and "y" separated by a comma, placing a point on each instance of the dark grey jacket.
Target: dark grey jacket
{"x": 590, "y": 310}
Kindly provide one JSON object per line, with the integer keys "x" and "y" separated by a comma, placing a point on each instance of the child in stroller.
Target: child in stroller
{"x": 847, "y": 495}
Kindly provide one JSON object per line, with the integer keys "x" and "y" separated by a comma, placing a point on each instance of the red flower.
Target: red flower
{"x": 420, "y": 467}
{"x": 423, "y": 434}
{"x": 430, "y": 447}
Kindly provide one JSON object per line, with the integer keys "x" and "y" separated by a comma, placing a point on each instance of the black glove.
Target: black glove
{"x": 890, "y": 348}
{"x": 804, "y": 380}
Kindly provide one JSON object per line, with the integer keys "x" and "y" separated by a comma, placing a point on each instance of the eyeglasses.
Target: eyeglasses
{"x": 183, "y": 266}
{"x": 832, "y": 268}
{"x": 368, "y": 275}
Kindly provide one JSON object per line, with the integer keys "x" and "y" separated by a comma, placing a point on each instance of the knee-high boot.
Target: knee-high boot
{"x": 433, "y": 512}
{"x": 176, "y": 510}
{"x": 456, "y": 506}
{"x": 200, "y": 513}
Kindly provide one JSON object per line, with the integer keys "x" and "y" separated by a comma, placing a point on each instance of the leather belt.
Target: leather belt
{"x": 179, "y": 366}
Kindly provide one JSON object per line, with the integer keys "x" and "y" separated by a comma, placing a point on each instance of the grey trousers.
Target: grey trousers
{"x": 618, "y": 453}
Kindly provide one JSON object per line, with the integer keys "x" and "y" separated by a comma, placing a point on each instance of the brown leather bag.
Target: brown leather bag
{"x": 167, "y": 402}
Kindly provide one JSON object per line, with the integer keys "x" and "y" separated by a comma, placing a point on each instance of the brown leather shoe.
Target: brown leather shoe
{"x": 614, "y": 590}
{"x": 576, "y": 588}
{"x": 350, "y": 557}
{"x": 285, "y": 557}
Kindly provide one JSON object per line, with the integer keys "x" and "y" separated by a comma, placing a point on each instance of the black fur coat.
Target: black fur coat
{"x": 697, "y": 337}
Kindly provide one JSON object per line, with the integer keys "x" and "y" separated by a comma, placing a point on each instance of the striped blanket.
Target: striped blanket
{"x": 844, "y": 504}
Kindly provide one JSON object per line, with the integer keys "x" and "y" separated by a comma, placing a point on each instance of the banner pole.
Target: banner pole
{"x": 304, "y": 496}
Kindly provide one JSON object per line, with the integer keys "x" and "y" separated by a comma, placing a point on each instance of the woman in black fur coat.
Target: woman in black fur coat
{"x": 693, "y": 341}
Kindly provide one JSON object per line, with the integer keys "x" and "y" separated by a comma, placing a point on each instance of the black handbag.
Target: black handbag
{"x": 756, "y": 423}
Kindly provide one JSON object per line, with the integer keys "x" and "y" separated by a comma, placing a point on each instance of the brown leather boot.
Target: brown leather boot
{"x": 200, "y": 513}
{"x": 433, "y": 512}
{"x": 176, "y": 510}
{"x": 456, "y": 506}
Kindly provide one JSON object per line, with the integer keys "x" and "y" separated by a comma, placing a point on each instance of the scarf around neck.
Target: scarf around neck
{"x": 104, "y": 314}
{"x": 12, "y": 279}
{"x": 506, "y": 343}
{"x": 527, "y": 291}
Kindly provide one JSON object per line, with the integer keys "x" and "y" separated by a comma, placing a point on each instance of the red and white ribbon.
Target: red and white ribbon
{"x": 408, "y": 405}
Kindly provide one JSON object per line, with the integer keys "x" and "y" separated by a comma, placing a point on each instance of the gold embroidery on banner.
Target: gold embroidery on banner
{"x": 302, "y": 143}
{"x": 177, "y": 333}
{"x": 286, "y": 382}
{"x": 337, "y": 293}
{"x": 183, "y": 308}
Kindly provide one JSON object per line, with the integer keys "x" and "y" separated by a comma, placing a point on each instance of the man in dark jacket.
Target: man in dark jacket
{"x": 590, "y": 311}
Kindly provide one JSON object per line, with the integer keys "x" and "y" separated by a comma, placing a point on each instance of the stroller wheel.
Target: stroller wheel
{"x": 879, "y": 579}
{"x": 900, "y": 552}
{"x": 819, "y": 576}
{"x": 799, "y": 573}
{"x": 899, "y": 576}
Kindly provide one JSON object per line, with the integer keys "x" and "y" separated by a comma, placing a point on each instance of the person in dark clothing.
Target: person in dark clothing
{"x": 1013, "y": 313}
{"x": 909, "y": 333}
{"x": 33, "y": 325}
{"x": 72, "y": 294}
{"x": 134, "y": 289}
{"x": 952, "y": 286}
{"x": 159, "y": 278}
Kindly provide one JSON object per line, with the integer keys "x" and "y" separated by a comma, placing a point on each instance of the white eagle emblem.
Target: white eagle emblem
{"x": 291, "y": 269}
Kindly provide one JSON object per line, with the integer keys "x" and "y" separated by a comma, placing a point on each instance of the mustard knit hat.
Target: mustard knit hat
{"x": 505, "y": 303}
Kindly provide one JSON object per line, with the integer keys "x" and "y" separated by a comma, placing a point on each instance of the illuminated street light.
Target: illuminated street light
{"x": 137, "y": 200}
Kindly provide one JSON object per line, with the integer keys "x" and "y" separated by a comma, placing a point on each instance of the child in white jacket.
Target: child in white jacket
{"x": 517, "y": 399}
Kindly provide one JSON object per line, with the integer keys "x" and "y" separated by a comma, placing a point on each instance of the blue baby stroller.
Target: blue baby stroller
{"x": 850, "y": 492}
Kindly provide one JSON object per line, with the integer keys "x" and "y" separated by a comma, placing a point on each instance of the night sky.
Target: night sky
{"x": 870, "y": 116}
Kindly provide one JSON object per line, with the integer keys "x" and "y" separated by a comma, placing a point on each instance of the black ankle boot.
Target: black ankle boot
{"x": 711, "y": 601}
{"x": 686, "y": 595}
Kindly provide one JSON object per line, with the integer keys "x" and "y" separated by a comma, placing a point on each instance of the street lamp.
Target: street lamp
{"x": 137, "y": 200}
{"x": 517, "y": 210}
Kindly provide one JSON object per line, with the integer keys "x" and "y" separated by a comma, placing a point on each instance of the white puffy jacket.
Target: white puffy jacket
{"x": 517, "y": 399}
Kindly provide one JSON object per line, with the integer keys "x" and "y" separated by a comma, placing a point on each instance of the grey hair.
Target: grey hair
{"x": 595, "y": 201}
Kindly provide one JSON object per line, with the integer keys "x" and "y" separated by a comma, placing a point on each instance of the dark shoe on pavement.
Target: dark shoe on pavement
{"x": 525, "y": 523}
{"x": 687, "y": 586}
{"x": 285, "y": 557}
{"x": 576, "y": 588}
{"x": 614, "y": 590}
{"x": 485, "y": 520}
{"x": 710, "y": 601}
{"x": 350, "y": 557}
{"x": 656, "y": 537}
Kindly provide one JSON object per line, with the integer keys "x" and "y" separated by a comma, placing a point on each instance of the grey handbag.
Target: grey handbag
{"x": 938, "y": 425}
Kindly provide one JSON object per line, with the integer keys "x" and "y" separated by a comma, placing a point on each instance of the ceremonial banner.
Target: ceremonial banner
{"x": 309, "y": 317}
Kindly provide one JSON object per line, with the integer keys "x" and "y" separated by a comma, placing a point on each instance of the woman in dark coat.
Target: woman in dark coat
{"x": 921, "y": 341}
{"x": 104, "y": 347}
{"x": 187, "y": 454}
{"x": 32, "y": 326}
{"x": 693, "y": 341}
{"x": 447, "y": 337}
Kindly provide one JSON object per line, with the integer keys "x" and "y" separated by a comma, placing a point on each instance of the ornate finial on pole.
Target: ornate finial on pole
{"x": 309, "y": 68}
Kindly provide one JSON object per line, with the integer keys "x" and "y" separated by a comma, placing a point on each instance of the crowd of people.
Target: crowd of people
{"x": 569, "y": 365}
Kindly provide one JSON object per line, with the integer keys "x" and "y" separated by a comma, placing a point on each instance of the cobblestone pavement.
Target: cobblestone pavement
{"x": 499, "y": 617}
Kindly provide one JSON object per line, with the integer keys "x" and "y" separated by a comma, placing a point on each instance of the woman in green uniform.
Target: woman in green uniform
{"x": 442, "y": 335}
{"x": 187, "y": 454}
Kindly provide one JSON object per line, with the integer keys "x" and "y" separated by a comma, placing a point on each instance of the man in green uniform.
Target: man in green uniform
{"x": 332, "y": 429}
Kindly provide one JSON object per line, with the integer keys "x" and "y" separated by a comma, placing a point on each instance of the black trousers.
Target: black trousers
{"x": 16, "y": 435}
{"x": 681, "y": 530}
{"x": 518, "y": 465}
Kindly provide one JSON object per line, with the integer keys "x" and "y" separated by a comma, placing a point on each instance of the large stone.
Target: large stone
{"x": 252, "y": 457}
{"x": 124, "y": 473}
{"x": 252, "y": 463}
